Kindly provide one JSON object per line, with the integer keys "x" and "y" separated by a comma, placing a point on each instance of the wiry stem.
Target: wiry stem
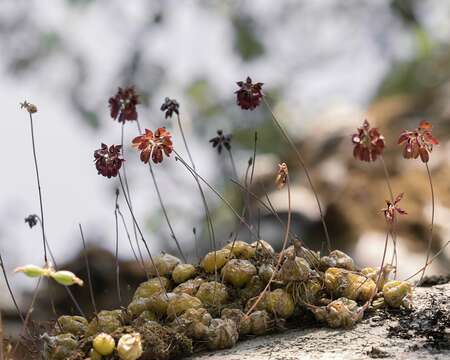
{"x": 225, "y": 201}
{"x": 393, "y": 227}
{"x": 55, "y": 265}
{"x": 233, "y": 164}
{"x": 429, "y": 262}
{"x": 430, "y": 240}
{"x": 161, "y": 202}
{"x": 305, "y": 169}
{"x": 129, "y": 197}
{"x": 280, "y": 256}
{"x": 119, "y": 297}
{"x": 142, "y": 236}
{"x": 8, "y": 285}
{"x": 39, "y": 187}
{"x": 211, "y": 233}
{"x": 141, "y": 261}
{"x": 88, "y": 270}
{"x": 30, "y": 310}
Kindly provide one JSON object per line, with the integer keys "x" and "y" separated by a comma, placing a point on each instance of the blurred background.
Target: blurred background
{"x": 326, "y": 66}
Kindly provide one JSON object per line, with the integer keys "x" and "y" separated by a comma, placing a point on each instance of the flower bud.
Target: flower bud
{"x": 130, "y": 347}
{"x": 66, "y": 278}
{"x": 104, "y": 344}
{"x": 32, "y": 271}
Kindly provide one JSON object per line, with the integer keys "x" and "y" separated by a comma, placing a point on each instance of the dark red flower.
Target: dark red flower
{"x": 170, "y": 106}
{"x": 221, "y": 140}
{"x": 392, "y": 208}
{"x": 369, "y": 143}
{"x": 31, "y": 220}
{"x": 418, "y": 142}
{"x": 108, "y": 160}
{"x": 249, "y": 95}
{"x": 154, "y": 144}
{"x": 123, "y": 104}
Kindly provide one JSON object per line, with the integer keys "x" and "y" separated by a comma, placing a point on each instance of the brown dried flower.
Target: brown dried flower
{"x": 108, "y": 160}
{"x": 392, "y": 208}
{"x": 31, "y": 108}
{"x": 369, "y": 143}
{"x": 249, "y": 95}
{"x": 170, "y": 106}
{"x": 154, "y": 144}
{"x": 123, "y": 104}
{"x": 221, "y": 140}
{"x": 418, "y": 142}
{"x": 282, "y": 175}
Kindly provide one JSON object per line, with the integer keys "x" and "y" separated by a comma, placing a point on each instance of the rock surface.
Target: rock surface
{"x": 423, "y": 333}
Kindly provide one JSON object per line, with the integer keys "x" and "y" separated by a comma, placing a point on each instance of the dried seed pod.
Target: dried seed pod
{"x": 212, "y": 293}
{"x": 222, "y": 334}
{"x": 194, "y": 323}
{"x": 373, "y": 273}
{"x": 337, "y": 259}
{"x": 252, "y": 289}
{"x": 159, "y": 302}
{"x": 341, "y": 282}
{"x": 238, "y": 272}
{"x": 138, "y": 306}
{"x": 243, "y": 322}
{"x": 295, "y": 269}
{"x": 182, "y": 302}
{"x": 280, "y": 303}
{"x": 105, "y": 321}
{"x": 311, "y": 291}
{"x": 241, "y": 249}
{"x": 75, "y": 325}
{"x": 164, "y": 263}
{"x": 61, "y": 347}
{"x": 265, "y": 272}
{"x": 183, "y": 272}
{"x": 189, "y": 287}
{"x": 261, "y": 323}
{"x": 263, "y": 247}
{"x": 145, "y": 316}
{"x": 340, "y": 313}
{"x": 398, "y": 294}
{"x": 215, "y": 259}
{"x": 129, "y": 347}
{"x": 150, "y": 287}
{"x": 104, "y": 344}
{"x": 261, "y": 305}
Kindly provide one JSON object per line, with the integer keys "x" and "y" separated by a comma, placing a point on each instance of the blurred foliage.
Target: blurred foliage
{"x": 246, "y": 40}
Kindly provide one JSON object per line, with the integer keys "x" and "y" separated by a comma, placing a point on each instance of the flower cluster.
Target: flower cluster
{"x": 31, "y": 108}
{"x": 31, "y": 220}
{"x": 221, "y": 141}
{"x": 392, "y": 208}
{"x": 418, "y": 142}
{"x": 170, "y": 106}
{"x": 123, "y": 104}
{"x": 154, "y": 144}
{"x": 249, "y": 95}
{"x": 108, "y": 160}
{"x": 369, "y": 143}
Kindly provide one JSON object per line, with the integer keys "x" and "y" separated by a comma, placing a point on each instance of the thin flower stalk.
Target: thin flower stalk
{"x": 8, "y": 285}
{"x": 210, "y": 226}
{"x": 305, "y": 169}
{"x": 429, "y": 261}
{"x": 147, "y": 156}
{"x": 225, "y": 201}
{"x": 280, "y": 256}
{"x": 116, "y": 253}
{"x": 88, "y": 270}
{"x": 125, "y": 178}
{"x": 142, "y": 236}
{"x": 419, "y": 143}
{"x": 31, "y": 110}
{"x": 54, "y": 264}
